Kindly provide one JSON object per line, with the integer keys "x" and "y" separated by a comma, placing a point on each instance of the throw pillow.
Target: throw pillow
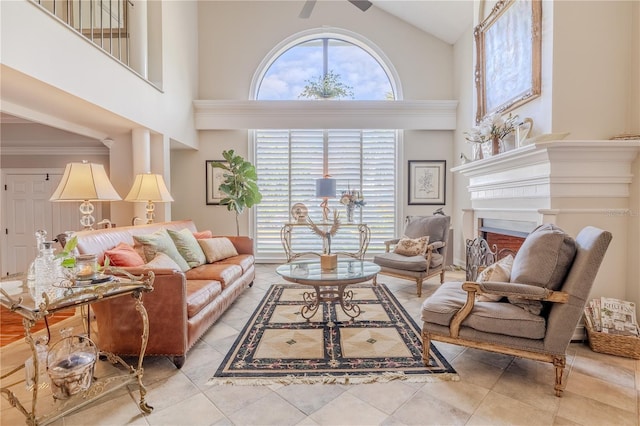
{"x": 543, "y": 260}
{"x": 200, "y": 235}
{"x": 188, "y": 247}
{"x": 217, "y": 248}
{"x": 160, "y": 241}
{"x": 412, "y": 246}
{"x": 499, "y": 271}
{"x": 162, "y": 261}
{"x": 124, "y": 255}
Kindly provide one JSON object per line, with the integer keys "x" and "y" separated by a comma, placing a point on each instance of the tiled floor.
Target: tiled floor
{"x": 493, "y": 389}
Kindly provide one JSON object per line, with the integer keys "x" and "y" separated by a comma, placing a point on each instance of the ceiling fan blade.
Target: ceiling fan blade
{"x": 363, "y": 5}
{"x": 305, "y": 13}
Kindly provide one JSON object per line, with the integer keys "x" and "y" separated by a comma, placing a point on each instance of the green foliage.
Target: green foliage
{"x": 68, "y": 260}
{"x": 327, "y": 86}
{"x": 240, "y": 184}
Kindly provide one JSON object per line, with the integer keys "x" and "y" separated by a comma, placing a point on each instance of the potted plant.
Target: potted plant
{"x": 239, "y": 185}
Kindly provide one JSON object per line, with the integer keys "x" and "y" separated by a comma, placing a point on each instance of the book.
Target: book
{"x": 618, "y": 317}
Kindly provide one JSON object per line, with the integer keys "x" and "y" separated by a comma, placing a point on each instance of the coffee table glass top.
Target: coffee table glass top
{"x": 309, "y": 271}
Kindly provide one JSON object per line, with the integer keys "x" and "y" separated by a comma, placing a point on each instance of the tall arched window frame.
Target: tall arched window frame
{"x": 289, "y": 161}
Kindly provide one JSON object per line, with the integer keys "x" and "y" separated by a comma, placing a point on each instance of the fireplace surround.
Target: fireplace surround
{"x": 571, "y": 184}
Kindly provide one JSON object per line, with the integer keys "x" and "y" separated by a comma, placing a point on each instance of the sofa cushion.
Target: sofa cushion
{"x": 201, "y": 293}
{"x": 225, "y": 273}
{"x": 543, "y": 260}
{"x": 245, "y": 261}
{"x": 499, "y": 318}
{"x": 217, "y": 248}
{"x": 499, "y": 271}
{"x": 124, "y": 255}
{"x": 398, "y": 261}
{"x": 412, "y": 246}
{"x": 160, "y": 241}
{"x": 188, "y": 247}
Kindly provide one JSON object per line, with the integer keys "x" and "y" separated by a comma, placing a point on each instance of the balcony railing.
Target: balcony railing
{"x": 104, "y": 22}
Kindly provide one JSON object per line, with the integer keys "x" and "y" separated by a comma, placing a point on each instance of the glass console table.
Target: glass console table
{"x": 15, "y": 296}
{"x": 363, "y": 232}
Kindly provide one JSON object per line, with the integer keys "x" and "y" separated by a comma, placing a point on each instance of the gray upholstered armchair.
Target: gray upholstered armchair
{"x": 540, "y": 306}
{"x": 421, "y": 266}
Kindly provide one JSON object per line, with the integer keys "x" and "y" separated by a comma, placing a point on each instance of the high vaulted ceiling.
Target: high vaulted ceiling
{"x": 445, "y": 19}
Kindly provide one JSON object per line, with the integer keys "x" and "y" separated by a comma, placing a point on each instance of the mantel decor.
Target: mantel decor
{"x": 508, "y": 43}
{"x": 427, "y": 182}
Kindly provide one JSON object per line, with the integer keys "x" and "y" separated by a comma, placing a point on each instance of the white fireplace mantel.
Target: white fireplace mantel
{"x": 554, "y": 169}
{"x": 572, "y": 184}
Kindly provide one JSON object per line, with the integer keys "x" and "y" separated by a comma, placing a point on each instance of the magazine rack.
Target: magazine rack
{"x": 613, "y": 344}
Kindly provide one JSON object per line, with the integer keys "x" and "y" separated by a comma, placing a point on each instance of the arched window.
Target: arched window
{"x": 289, "y": 161}
{"x": 325, "y": 68}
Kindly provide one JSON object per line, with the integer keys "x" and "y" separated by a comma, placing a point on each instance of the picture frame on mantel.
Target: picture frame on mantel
{"x": 508, "y": 56}
{"x": 427, "y": 182}
{"x": 214, "y": 178}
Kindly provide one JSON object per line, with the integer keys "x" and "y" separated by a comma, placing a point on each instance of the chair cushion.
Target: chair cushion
{"x": 412, "y": 246}
{"x": 398, "y": 261}
{"x": 543, "y": 260}
{"x": 496, "y": 318}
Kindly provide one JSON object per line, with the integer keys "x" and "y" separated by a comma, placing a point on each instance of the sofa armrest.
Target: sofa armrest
{"x": 120, "y": 324}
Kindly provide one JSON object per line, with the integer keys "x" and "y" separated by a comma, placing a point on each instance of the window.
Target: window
{"x": 289, "y": 161}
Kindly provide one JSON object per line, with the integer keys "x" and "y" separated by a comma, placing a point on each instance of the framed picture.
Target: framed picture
{"x": 214, "y": 178}
{"x": 508, "y": 43}
{"x": 427, "y": 182}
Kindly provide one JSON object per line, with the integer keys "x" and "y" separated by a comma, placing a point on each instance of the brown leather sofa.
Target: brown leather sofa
{"x": 181, "y": 307}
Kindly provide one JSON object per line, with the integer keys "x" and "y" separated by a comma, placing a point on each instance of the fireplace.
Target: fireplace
{"x": 505, "y": 234}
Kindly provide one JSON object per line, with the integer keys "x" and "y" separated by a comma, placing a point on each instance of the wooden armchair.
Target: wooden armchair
{"x": 546, "y": 273}
{"x": 420, "y": 267}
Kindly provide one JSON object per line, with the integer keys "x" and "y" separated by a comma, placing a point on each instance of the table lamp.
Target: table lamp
{"x": 150, "y": 188}
{"x": 325, "y": 188}
{"x": 85, "y": 182}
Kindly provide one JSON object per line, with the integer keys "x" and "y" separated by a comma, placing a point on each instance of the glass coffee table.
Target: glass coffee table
{"x": 329, "y": 285}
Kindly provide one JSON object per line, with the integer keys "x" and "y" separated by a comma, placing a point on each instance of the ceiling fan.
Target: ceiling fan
{"x": 363, "y": 5}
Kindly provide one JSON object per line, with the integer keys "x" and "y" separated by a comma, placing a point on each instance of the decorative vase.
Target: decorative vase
{"x": 350, "y": 209}
{"x": 477, "y": 151}
{"x": 495, "y": 146}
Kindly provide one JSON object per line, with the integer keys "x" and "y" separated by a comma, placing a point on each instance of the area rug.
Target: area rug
{"x": 279, "y": 346}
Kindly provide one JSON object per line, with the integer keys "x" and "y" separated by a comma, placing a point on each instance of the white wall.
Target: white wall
{"x": 236, "y": 36}
{"x": 79, "y": 75}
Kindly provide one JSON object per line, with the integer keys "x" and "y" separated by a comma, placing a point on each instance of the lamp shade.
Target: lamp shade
{"x": 149, "y": 187}
{"x": 325, "y": 187}
{"x": 85, "y": 182}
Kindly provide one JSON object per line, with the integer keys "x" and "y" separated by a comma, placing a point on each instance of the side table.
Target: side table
{"x": 21, "y": 302}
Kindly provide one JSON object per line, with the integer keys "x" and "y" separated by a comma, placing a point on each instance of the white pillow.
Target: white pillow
{"x": 499, "y": 271}
{"x": 217, "y": 248}
{"x": 162, "y": 261}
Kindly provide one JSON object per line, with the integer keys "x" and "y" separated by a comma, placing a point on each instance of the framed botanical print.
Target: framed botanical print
{"x": 509, "y": 44}
{"x": 214, "y": 178}
{"x": 427, "y": 182}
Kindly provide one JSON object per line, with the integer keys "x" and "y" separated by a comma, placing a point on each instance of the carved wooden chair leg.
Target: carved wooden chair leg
{"x": 559, "y": 362}
{"x": 419, "y": 286}
{"x": 442, "y": 275}
{"x": 426, "y": 344}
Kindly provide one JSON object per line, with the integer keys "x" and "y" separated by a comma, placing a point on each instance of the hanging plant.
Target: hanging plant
{"x": 328, "y": 86}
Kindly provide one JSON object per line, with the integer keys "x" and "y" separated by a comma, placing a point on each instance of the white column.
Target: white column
{"x": 160, "y": 164}
{"x": 141, "y": 156}
{"x": 138, "y": 44}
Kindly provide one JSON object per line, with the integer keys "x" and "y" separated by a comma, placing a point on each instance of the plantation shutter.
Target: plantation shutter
{"x": 288, "y": 163}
